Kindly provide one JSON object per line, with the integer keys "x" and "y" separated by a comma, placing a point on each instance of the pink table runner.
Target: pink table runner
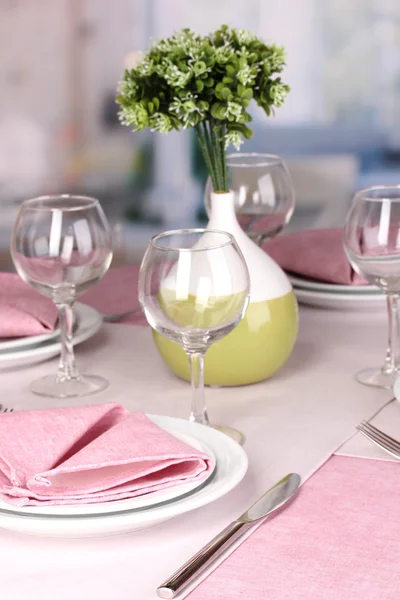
{"x": 338, "y": 540}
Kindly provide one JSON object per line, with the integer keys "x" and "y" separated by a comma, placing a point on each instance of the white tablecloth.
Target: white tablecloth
{"x": 293, "y": 422}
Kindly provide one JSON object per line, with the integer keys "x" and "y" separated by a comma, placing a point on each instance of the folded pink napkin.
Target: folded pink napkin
{"x": 316, "y": 254}
{"x": 90, "y": 454}
{"x": 23, "y": 311}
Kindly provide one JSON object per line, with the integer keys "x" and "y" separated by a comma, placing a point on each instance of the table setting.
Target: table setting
{"x": 293, "y": 422}
{"x": 211, "y": 430}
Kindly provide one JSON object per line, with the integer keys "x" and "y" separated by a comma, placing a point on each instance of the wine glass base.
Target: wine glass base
{"x": 234, "y": 434}
{"x": 55, "y": 387}
{"x": 377, "y": 378}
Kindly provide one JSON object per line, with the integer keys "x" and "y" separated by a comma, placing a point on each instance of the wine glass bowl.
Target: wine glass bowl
{"x": 194, "y": 289}
{"x": 60, "y": 246}
{"x": 372, "y": 246}
{"x": 263, "y": 192}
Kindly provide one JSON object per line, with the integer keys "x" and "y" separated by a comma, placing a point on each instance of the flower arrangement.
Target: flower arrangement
{"x": 206, "y": 83}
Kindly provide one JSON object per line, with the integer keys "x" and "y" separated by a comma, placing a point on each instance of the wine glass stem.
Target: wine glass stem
{"x": 392, "y": 359}
{"x": 199, "y": 412}
{"x": 67, "y": 367}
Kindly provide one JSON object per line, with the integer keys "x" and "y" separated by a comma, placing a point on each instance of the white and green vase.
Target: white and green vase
{"x": 263, "y": 341}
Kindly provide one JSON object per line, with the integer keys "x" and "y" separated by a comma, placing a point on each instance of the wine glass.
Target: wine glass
{"x": 372, "y": 245}
{"x": 61, "y": 245}
{"x": 263, "y": 191}
{"x": 194, "y": 289}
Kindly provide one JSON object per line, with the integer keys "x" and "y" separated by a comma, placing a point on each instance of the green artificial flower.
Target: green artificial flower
{"x": 207, "y": 83}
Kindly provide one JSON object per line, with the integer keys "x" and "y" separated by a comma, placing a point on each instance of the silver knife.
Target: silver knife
{"x": 276, "y": 497}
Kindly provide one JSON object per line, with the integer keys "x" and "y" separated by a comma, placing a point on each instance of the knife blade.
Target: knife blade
{"x": 273, "y": 499}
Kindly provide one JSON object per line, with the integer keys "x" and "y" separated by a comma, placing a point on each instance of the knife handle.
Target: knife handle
{"x": 200, "y": 561}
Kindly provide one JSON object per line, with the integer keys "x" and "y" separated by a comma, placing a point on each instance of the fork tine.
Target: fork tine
{"x": 384, "y": 436}
{"x": 380, "y": 441}
{"x": 379, "y": 435}
{"x": 371, "y": 437}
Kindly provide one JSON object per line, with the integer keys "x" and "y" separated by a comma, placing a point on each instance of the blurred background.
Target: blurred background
{"x": 60, "y": 64}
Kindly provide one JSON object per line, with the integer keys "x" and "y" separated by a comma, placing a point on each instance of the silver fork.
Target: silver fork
{"x": 380, "y": 438}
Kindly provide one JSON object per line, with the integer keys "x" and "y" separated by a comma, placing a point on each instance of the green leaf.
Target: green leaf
{"x": 203, "y": 105}
{"x": 226, "y": 94}
{"x": 247, "y": 132}
{"x": 218, "y": 111}
{"x": 199, "y": 67}
{"x": 189, "y": 105}
{"x": 182, "y": 66}
{"x": 199, "y": 85}
{"x": 243, "y": 129}
{"x": 218, "y": 89}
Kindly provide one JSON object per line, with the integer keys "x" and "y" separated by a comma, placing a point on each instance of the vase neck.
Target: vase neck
{"x": 223, "y": 214}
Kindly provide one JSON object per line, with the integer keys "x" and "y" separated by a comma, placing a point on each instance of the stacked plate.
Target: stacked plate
{"x": 109, "y": 518}
{"x": 331, "y": 295}
{"x": 33, "y": 349}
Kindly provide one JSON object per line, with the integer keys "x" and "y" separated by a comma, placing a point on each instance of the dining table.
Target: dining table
{"x": 339, "y": 538}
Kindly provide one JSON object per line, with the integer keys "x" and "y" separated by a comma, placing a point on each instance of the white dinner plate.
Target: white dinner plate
{"x": 143, "y": 501}
{"x": 320, "y": 286}
{"x": 89, "y": 322}
{"x": 341, "y": 301}
{"x": 231, "y": 466}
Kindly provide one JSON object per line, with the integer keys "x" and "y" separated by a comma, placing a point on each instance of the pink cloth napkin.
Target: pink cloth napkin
{"x": 338, "y": 540}
{"x": 90, "y": 454}
{"x": 316, "y": 254}
{"x": 117, "y": 292}
{"x": 23, "y": 311}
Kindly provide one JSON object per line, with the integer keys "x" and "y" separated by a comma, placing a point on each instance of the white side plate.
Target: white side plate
{"x": 320, "y": 286}
{"x": 25, "y": 342}
{"x": 89, "y": 322}
{"x": 341, "y": 301}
